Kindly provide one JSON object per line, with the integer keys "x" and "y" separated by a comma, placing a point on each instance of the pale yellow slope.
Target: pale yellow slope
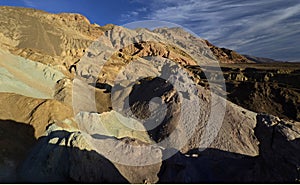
{"x": 56, "y": 39}
{"x": 37, "y": 112}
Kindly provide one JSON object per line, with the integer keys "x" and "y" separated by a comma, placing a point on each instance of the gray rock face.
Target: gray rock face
{"x": 115, "y": 142}
{"x": 233, "y": 152}
{"x": 65, "y": 156}
{"x": 279, "y": 149}
{"x": 194, "y": 45}
{"x": 233, "y": 134}
{"x": 278, "y": 159}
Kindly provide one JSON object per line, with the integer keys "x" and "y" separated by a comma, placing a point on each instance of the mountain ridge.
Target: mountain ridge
{"x": 90, "y": 32}
{"x": 82, "y": 130}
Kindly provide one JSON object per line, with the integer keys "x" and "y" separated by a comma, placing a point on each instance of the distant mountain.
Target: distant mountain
{"x": 261, "y": 59}
{"x": 61, "y": 39}
{"x": 229, "y": 56}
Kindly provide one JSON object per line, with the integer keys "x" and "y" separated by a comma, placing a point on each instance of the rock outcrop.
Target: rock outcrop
{"x": 92, "y": 104}
{"x": 227, "y": 56}
{"x": 279, "y": 141}
{"x": 19, "y": 75}
{"x": 65, "y": 156}
{"x": 23, "y": 120}
{"x": 77, "y": 161}
{"x": 272, "y": 89}
{"x": 35, "y": 112}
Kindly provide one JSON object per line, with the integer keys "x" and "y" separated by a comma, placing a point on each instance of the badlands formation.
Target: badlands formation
{"x": 85, "y": 103}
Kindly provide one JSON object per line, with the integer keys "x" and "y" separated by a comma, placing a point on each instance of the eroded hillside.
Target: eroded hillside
{"x": 271, "y": 88}
{"x": 106, "y": 104}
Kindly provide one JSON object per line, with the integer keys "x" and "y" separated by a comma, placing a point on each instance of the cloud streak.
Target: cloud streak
{"x": 262, "y": 28}
{"x": 28, "y": 3}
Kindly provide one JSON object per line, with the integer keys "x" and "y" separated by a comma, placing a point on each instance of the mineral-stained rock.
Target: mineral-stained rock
{"x": 124, "y": 80}
{"x": 112, "y": 124}
{"x": 64, "y": 155}
{"x": 19, "y": 75}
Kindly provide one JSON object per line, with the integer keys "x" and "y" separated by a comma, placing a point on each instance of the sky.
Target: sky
{"x": 263, "y": 28}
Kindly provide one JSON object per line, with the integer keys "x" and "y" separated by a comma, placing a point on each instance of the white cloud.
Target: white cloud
{"x": 254, "y": 27}
{"x": 28, "y": 3}
{"x": 129, "y": 16}
{"x": 133, "y": 15}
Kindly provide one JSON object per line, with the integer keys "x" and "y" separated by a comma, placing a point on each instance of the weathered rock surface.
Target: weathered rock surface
{"x": 278, "y": 159}
{"x": 269, "y": 88}
{"x": 112, "y": 124}
{"x": 23, "y": 120}
{"x": 65, "y": 156}
{"x": 123, "y": 46}
{"x": 279, "y": 149}
{"x": 19, "y": 75}
{"x": 107, "y": 136}
{"x": 192, "y": 45}
{"x": 35, "y": 112}
{"x": 56, "y": 39}
{"x": 91, "y": 98}
{"x": 227, "y": 56}
{"x": 235, "y": 131}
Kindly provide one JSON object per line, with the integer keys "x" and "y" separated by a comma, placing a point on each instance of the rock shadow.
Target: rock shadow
{"x": 49, "y": 162}
{"x": 278, "y": 161}
{"x": 16, "y": 140}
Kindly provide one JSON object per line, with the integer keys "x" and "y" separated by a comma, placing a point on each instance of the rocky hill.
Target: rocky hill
{"x": 225, "y": 55}
{"x": 105, "y": 104}
{"x": 52, "y": 39}
{"x": 271, "y": 87}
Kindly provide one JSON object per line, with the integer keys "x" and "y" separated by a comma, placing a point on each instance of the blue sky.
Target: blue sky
{"x": 266, "y": 28}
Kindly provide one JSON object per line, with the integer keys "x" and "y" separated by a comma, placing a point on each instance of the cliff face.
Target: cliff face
{"x": 64, "y": 85}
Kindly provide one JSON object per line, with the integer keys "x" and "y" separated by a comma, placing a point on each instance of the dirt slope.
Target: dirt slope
{"x": 56, "y": 39}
